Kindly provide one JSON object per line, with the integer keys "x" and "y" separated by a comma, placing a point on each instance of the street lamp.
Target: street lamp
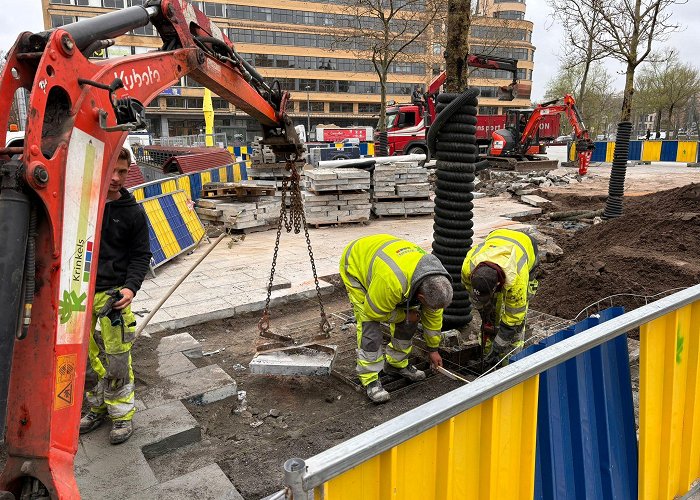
{"x": 308, "y": 113}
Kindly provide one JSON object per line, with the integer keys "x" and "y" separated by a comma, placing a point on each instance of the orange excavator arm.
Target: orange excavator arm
{"x": 53, "y": 190}
{"x": 567, "y": 106}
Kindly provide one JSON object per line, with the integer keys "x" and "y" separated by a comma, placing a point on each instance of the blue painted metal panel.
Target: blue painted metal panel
{"x": 635, "y": 150}
{"x": 152, "y": 190}
{"x": 244, "y": 171}
{"x": 669, "y": 150}
{"x": 229, "y": 173}
{"x": 176, "y": 222}
{"x": 196, "y": 185}
{"x": 599, "y": 152}
{"x": 215, "y": 175}
{"x": 586, "y": 439}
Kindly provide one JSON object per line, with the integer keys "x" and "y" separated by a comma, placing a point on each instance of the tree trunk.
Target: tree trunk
{"x": 382, "y": 102}
{"x": 582, "y": 92}
{"x": 657, "y": 126}
{"x": 626, "y": 113}
{"x": 458, "y": 25}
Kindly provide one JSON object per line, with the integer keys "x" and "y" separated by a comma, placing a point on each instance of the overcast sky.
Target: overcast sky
{"x": 25, "y": 15}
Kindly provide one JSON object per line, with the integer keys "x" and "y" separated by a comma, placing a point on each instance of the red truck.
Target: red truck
{"x": 406, "y": 123}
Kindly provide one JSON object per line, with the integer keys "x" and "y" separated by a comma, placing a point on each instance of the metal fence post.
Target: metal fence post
{"x": 294, "y": 469}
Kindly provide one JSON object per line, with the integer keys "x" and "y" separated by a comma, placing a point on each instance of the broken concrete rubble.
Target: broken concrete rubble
{"x": 495, "y": 182}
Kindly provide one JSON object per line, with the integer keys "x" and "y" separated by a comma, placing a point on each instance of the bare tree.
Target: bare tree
{"x": 667, "y": 84}
{"x": 582, "y": 28}
{"x": 629, "y": 29}
{"x": 387, "y": 31}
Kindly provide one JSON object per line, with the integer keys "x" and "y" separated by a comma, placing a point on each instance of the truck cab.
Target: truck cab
{"x": 405, "y": 127}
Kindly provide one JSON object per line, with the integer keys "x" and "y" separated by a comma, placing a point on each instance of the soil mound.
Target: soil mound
{"x": 654, "y": 247}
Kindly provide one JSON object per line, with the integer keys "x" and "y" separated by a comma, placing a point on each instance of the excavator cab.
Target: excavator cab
{"x": 516, "y": 121}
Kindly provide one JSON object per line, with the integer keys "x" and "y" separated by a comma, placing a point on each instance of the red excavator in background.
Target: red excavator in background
{"x": 407, "y": 124}
{"x": 517, "y": 145}
{"x": 52, "y": 194}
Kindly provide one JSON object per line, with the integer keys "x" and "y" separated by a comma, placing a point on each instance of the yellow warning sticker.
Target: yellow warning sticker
{"x": 65, "y": 381}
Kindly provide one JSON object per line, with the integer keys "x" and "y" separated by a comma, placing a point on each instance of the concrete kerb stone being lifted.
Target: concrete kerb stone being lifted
{"x": 302, "y": 476}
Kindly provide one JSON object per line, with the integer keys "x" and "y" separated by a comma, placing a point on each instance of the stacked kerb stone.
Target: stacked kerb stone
{"x": 335, "y": 195}
{"x": 401, "y": 188}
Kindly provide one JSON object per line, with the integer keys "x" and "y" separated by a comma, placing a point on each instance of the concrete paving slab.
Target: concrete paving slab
{"x": 171, "y": 364}
{"x": 157, "y": 430}
{"x": 207, "y": 483}
{"x": 297, "y": 361}
{"x": 106, "y": 478}
{"x": 523, "y": 212}
{"x": 534, "y": 200}
{"x": 181, "y": 342}
{"x": 200, "y": 386}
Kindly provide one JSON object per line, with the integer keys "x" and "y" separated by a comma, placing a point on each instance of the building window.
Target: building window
{"x": 510, "y": 14}
{"x": 311, "y": 84}
{"x": 369, "y": 108}
{"x": 62, "y": 2}
{"x": 175, "y": 102}
{"x": 59, "y": 20}
{"x": 340, "y": 107}
{"x": 326, "y": 85}
{"x": 314, "y": 107}
{"x": 218, "y": 103}
{"x": 194, "y": 102}
{"x": 488, "y": 110}
{"x": 214, "y": 9}
{"x": 113, "y": 4}
{"x": 147, "y": 30}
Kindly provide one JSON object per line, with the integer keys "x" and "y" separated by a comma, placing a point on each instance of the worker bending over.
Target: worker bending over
{"x": 394, "y": 281}
{"x": 498, "y": 274}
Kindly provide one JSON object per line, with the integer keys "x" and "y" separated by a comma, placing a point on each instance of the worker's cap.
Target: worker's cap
{"x": 485, "y": 282}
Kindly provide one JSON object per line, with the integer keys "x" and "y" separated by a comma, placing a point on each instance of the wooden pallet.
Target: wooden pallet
{"x": 317, "y": 225}
{"x": 227, "y": 189}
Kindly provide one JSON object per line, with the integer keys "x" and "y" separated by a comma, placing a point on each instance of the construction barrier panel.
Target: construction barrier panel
{"x": 669, "y": 404}
{"x": 586, "y": 436}
{"x": 173, "y": 226}
{"x": 648, "y": 151}
{"x": 557, "y": 422}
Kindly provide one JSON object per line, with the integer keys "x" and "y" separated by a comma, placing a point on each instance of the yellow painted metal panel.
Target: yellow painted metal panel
{"x": 138, "y": 194}
{"x": 223, "y": 175}
{"x": 487, "y": 452}
{"x": 236, "y": 172}
{"x": 230, "y": 150}
{"x": 651, "y": 150}
{"x": 183, "y": 182}
{"x": 687, "y": 151}
{"x": 206, "y": 177}
{"x": 572, "y": 152}
{"x": 194, "y": 225}
{"x": 609, "y": 152}
{"x": 669, "y": 404}
{"x": 161, "y": 228}
{"x": 370, "y": 149}
{"x": 168, "y": 186}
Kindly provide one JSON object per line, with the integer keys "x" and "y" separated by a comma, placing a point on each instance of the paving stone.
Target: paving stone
{"x": 109, "y": 477}
{"x": 171, "y": 364}
{"x": 157, "y": 430}
{"x": 525, "y": 212}
{"x": 302, "y": 361}
{"x": 534, "y": 200}
{"x": 207, "y": 483}
{"x": 201, "y": 386}
{"x": 181, "y": 342}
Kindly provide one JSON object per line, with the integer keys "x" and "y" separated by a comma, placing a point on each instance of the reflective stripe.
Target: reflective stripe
{"x": 377, "y": 253}
{"x": 515, "y": 310}
{"x": 397, "y": 271}
{"x": 394, "y": 315}
{"x": 374, "y": 307}
{"x": 354, "y": 282}
{"x": 522, "y": 262}
{"x": 400, "y": 344}
{"x": 478, "y": 248}
{"x": 368, "y": 356}
{"x": 432, "y": 333}
{"x": 516, "y": 242}
{"x": 395, "y": 356}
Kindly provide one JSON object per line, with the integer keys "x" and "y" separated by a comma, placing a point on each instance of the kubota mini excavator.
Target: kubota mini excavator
{"x": 517, "y": 146}
{"x": 52, "y": 192}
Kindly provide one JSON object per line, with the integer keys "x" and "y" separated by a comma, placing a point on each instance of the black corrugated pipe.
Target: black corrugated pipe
{"x": 382, "y": 146}
{"x": 452, "y": 141}
{"x": 14, "y": 229}
{"x": 616, "y": 187}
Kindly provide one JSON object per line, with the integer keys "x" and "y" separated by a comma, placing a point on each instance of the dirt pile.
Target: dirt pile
{"x": 651, "y": 249}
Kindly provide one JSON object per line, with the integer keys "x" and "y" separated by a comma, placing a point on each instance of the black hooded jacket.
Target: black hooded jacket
{"x": 125, "y": 251}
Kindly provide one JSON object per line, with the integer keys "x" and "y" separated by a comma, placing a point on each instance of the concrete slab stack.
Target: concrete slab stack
{"x": 401, "y": 188}
{"x": 336, "y": 195}
{"x": 239, "y": 215}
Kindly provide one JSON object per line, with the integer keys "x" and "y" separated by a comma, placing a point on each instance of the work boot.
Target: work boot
{"x": 91, "y": 421}
{"x": 410, "y": 372}
{"x": 121, "y": 431}
{"x": 376, "y": 393}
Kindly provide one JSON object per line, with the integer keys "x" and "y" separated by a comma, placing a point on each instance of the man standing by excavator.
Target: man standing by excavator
{"x": 124, "y": 258}
{"x": 394, "y": 281}
{"x": 498, "y": 274}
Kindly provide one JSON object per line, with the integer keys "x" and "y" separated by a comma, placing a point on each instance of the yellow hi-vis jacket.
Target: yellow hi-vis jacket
{"x": 513, "y": 252}
{"x": 382, "y": 274}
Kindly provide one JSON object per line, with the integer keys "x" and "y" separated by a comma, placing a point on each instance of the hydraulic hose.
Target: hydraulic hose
{"x": 452, "y": 140}
{"x": 616, "y": 187}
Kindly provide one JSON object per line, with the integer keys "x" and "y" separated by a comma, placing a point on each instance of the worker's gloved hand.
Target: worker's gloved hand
{"x": 413, "y": 316}
{"x": 435, "y": 359}
{"x": 127, "y": 297}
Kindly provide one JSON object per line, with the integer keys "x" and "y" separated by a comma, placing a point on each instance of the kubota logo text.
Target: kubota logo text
{"x": 134, "y": 79}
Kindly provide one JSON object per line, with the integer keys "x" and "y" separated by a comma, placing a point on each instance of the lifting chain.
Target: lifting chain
{"x": 292, "y": 218}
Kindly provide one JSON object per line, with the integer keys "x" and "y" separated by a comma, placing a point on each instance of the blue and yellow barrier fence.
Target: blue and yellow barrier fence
{"x": 647, "y": 151}
{"x": 173, "y": 226}
{"x": 557, "y": 422}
